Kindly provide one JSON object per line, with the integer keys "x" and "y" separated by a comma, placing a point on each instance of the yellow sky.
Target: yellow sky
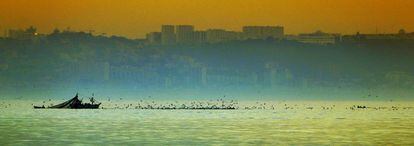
{"x": 134, "y": 18}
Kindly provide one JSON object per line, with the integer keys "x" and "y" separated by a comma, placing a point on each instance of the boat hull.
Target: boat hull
{"x": 79, "y": 106}
{"x": 73, "y": 103}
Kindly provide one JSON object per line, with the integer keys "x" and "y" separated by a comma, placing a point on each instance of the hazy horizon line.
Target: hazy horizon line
{"x": 106, "y": 34}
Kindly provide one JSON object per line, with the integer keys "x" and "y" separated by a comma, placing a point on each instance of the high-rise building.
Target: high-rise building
{"x": 221, "y": 35}
{"x": 185, "y": 33}
{"x": 200, "y": 36}
{"x": 263, "y": 32}
{"x": 167, "y": 34}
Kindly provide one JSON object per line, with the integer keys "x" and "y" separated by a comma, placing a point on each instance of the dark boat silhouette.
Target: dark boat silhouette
{"x": 39, "y": 106}
{"x": 74, "y": 103}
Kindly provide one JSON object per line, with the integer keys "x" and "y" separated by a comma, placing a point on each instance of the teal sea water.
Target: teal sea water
{"x": 392, "y": 123}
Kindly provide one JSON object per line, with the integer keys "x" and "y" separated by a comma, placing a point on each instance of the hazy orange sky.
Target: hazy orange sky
{"x": 134, "y": 18}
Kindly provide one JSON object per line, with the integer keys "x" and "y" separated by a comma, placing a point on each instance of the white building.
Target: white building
{"x": 317, "y": 37}
{"x": 184, "y": 34}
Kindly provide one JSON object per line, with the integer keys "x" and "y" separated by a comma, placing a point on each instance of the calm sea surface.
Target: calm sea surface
{"x": 281, "y": 126}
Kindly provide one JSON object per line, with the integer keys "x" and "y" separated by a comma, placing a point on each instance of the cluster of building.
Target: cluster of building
{"x": 186, "y": 34}
{"x": 400, "y": 35}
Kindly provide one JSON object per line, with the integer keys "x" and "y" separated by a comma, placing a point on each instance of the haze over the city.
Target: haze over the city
{"x": 134, "y": 19}
{"x": 248, "y": 49}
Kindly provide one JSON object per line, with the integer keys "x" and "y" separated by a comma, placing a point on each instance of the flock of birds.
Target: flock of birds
{"x": 220, "y": 104}
{"x": 5, "y": 105}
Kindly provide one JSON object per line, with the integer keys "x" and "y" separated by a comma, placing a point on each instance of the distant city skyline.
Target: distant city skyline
{"x": 133, "y": 19}
{"x": 143, "y": 36}
{"x": 185, "y": 34}
{"x": 6, "y": 31}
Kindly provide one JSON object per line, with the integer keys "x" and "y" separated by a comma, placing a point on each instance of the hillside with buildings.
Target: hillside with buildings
{"x": 260, "y": 59}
